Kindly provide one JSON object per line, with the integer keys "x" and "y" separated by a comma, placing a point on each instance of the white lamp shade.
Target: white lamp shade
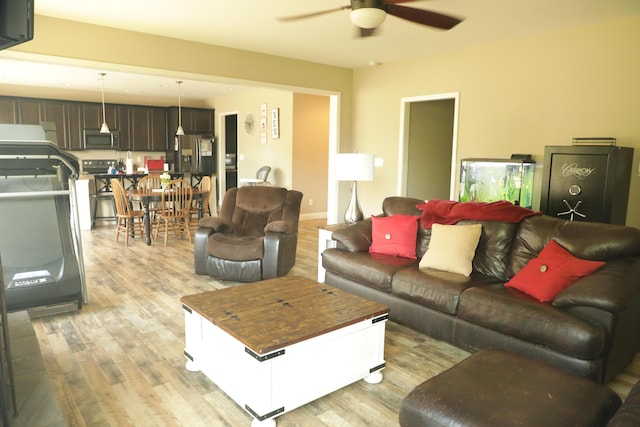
{"x": 354, "y": 167}
{"x": 368, "y": 17}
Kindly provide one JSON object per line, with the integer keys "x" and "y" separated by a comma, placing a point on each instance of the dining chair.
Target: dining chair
{"x": 150, "y": 183}
{"x": 205, "y": 188}
{"x": 175, "y": 210}
{"x": 128, "y": 220}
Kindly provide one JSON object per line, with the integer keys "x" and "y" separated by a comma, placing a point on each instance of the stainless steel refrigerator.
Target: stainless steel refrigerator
{"x": 197, "y": 154}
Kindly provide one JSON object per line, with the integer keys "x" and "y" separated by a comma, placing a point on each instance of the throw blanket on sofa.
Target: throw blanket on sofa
{"x": 450, "y": 212}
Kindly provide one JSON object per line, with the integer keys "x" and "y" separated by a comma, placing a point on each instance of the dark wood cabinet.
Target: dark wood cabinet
{"x": 124, "y": 126}
{"x": 158, "y": 133}
{"x": 74, "y": 136}
{"x": 141, "y": 128}
{"x": 92, "y": 115}
{"x": 194, "y": 120}
{"x": 8, "y": 111}
{"x": 30, "y": 111}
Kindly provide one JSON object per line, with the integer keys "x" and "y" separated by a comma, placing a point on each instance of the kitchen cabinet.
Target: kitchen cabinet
{"x": 142, "y": 128}
{"x": 30, "y": 111}
{"x": 158, "y": 131}
{"x": 140, "y": 125}
{"x": 124, "y": 124}
{"x": 92, "y": 115}
{"x": 194, "y": 121}
{"x": 8, "y": 111}
{"x": 74, "y": 139}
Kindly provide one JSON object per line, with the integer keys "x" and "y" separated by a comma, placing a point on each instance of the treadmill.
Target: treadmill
{"x": 40, "y": 242}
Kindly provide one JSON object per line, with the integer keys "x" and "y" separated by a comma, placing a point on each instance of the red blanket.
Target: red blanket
{"x": 450, "y": 212}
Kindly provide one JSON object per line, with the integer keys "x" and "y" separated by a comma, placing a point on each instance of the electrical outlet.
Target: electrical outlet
{"x": 310, "y": 202}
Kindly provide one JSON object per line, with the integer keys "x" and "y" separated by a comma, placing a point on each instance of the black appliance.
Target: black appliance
{"x": 197, "y": 153}
{"x": 95, "y": 140}
{"x": 16, "y": 22}
{"x": 41, "y": 248}
{"x": 98, "y": 166}
{"x": 586, "y": 183}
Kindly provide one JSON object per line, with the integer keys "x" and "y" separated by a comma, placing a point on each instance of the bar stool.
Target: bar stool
{"x": 102, "y": 191}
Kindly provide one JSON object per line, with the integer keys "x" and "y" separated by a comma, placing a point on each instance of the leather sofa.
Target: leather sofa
{"x": 591, "y": 328}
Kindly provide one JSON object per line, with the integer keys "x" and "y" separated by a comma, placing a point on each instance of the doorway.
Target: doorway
{"x": 227, "y": 144}
{"x": 428, "y": 146}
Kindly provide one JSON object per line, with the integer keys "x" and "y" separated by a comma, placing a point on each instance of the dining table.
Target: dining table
{"x": 148, "y": 196}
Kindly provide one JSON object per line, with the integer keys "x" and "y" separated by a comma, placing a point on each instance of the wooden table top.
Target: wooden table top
{"x": 272, "y": 314}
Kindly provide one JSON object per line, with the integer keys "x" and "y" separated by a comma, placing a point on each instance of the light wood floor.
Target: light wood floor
{"x": 119, "y": 360}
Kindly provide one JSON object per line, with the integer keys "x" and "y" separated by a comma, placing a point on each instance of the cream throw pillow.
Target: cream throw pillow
{"x": 452, "y": 248}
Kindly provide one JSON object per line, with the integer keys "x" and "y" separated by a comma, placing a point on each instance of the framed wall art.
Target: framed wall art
{"x": 275, "y": 123}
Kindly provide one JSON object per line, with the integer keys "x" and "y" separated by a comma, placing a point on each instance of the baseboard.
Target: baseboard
{"x": 314, "y": 215}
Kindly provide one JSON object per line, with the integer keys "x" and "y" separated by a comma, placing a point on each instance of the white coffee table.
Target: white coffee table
{"x": 276, "y": 345}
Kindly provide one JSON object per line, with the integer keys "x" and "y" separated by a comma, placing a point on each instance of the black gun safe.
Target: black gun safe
{"x": 586, "y": 183}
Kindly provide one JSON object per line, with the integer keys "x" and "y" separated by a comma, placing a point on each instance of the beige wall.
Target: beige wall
{"x": 311, "y": 151}
{"x": 252, "y": 154}
{"x": 515, "y": 97}
{"x": 113, "y": 49}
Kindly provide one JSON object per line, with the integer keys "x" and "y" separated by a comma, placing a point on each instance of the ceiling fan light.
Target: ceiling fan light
{"x": 368, "y": 17}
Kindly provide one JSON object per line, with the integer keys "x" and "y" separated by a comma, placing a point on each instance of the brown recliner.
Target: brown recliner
{"x": 254, "y": 237}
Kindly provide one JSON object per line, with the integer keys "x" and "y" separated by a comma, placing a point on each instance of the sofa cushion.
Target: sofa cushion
{"x": 373, "y": 270}
{"x": 514, "y": 313}
{"x": 452, "y": 248}
{"x": 586, "y": 240}
{"x": 394, "y": 235}
{"x": 550, "y": 272}
{"x": 492, "y": 254}
{"x": 435, "y": 288}
{"x": 235, "y": 248}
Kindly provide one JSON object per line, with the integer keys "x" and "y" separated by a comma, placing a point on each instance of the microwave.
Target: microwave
{"x": 95, "y": 140}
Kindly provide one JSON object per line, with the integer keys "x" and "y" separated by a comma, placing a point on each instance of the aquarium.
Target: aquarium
{"x": 490, "y": 180}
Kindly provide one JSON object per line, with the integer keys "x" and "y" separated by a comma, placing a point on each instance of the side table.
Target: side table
{"x": 325, "y": 242}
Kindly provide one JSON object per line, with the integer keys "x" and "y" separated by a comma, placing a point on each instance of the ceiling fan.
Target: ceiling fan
{"x": 367, "y": 15}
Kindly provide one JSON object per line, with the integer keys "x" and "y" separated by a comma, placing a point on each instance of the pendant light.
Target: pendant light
{"x": 180, "y": 130}
{"x": 105, "y": 127}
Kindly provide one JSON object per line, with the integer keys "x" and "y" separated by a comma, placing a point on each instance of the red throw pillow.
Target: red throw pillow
{"x": 394, "y": 235}
{"x": 553, "y": 270}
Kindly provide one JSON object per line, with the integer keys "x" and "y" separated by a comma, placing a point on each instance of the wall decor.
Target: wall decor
{"x": 263, "y": 138}
{"x": 249, "y": 123}
{"x": 263, "y": 123}
{"x": 263, "y": 109}
{"x": 275, "y": 125}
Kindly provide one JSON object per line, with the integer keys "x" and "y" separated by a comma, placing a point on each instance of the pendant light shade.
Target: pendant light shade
{"x": 104, "y": 128}
{"x": 180, "y": 130}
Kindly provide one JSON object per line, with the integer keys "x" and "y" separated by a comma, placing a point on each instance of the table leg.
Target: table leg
{"x": 147, "y": 221}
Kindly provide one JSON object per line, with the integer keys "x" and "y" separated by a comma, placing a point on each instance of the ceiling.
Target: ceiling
{"x": 253, "y": 25}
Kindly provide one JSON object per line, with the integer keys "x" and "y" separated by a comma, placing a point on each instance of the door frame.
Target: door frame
{"x": 403, "y": 146}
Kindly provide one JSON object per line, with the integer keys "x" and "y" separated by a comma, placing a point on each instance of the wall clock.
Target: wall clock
{"x": 249, "y": 123}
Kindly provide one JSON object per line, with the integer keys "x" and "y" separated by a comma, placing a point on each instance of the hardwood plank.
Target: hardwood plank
{"x": 119, "y": 360}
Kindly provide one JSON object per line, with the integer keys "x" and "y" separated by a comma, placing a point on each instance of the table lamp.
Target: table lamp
{"x": 354, "y": 167}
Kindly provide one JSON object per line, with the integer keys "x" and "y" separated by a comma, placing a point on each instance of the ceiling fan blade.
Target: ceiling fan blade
{"x": 421, "y": 16}
{"x": 311, "y": 15}
{"x": 398, "y": 1}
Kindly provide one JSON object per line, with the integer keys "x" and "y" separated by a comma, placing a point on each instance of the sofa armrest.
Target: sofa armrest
{"x": 280, "y": 226}
{"x": 613, "y": 288}
{"x": 354, "y": 238}
{"x": 216, "y": 224}
{"x": 200, "y": 249}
